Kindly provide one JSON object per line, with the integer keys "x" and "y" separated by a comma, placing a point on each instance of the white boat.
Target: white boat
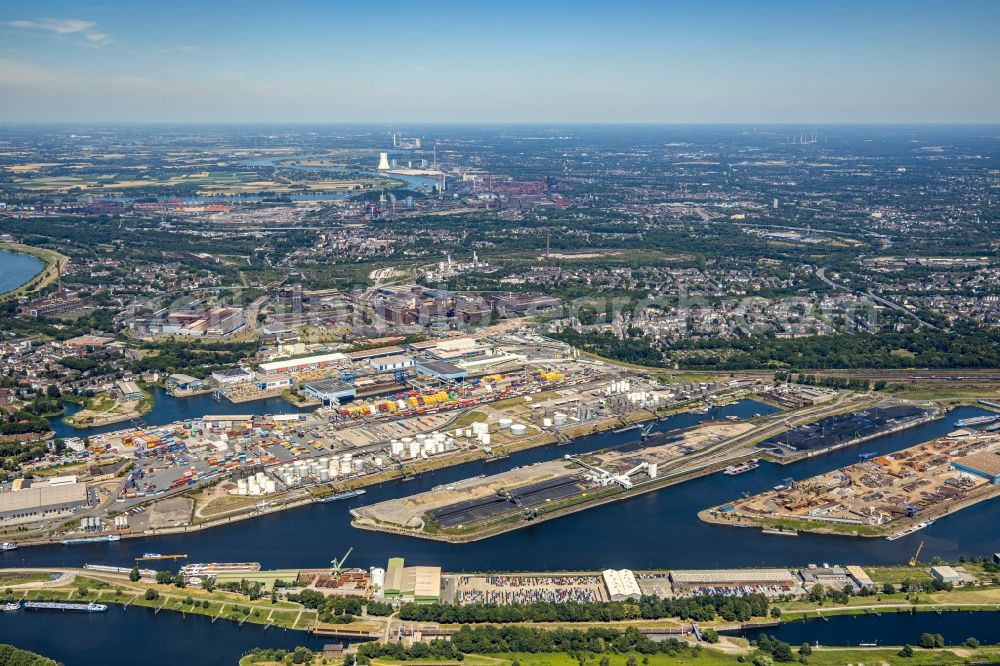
{"x": 910, "y": 530}
{"x": 733, "y": 470}
{"x": 10, "y": 607}
{"x": 8, "y": 545}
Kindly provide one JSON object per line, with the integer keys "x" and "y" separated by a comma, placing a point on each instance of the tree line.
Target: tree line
{"x": 701, "y": 608}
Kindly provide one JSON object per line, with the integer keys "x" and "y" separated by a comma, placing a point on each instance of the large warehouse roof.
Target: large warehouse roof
{"x": 621, "y": 584}
{"x": 37, "y": 497}
{"x": 986, "y": 463}
{"x": 426, "y": 582}
{"x": 281, "y": 366}
{"x": 715, "y": 576}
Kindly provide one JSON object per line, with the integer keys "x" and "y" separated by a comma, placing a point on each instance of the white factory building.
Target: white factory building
{"x": 303, "y": 364}
{"x": 621, "y": 584}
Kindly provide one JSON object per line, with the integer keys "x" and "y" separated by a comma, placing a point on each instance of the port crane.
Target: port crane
{"x": 913, "y": 560}
{"x": 336, "y": 565}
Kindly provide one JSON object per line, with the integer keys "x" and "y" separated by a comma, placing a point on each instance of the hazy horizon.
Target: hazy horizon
{"x": 309, "y": 62}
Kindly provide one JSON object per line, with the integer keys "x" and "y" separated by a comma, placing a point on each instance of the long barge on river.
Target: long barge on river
{"x": 64, "y": 606}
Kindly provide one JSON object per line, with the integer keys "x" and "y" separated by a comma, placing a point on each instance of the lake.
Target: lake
{"x": 16, "y": 269}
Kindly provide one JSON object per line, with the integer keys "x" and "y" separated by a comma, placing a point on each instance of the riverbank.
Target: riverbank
{"x": 54, "y": 264}
{"x": 104, "y": 409}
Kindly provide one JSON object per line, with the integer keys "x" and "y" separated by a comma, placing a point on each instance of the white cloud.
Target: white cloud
{"x": 62, "y": 26}
{"x": 99, "y": 38}
{"x": 66, "y": 26}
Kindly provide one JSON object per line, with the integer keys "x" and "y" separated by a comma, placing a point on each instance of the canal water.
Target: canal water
{"x": 167, "y": 409}
{"x": 16, "y": 269}
{"x": 659, "y": 529}
{"x": 889, "y": 629}
{"x": 138, "y": 636}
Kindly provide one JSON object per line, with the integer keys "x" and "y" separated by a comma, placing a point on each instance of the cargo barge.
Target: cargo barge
{"x": 64, "y": 606}
{"x": 342, "y": 496}
{"x": 910, "y": 530}
{"x": 976, "y": 420}
{"x": 93, "y": 539}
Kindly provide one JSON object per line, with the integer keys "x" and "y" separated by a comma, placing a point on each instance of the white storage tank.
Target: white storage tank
{"x": 547, "y": 422}
{"x": 484, "y": 439}
{"x": 377, "y": 577}
{"x": 518, "y": 429}
{"x": 506, "y": 423}
{"x": 379, "y": 462}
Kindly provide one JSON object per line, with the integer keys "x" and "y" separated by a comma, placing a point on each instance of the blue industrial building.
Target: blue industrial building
{"x": 983, "y": 464}
{"x": 331, "y": 391}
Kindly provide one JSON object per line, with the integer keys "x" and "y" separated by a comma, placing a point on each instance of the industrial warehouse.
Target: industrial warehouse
{"x": 31, "y": 501}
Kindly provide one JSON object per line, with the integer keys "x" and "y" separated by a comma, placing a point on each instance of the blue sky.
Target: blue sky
{"x": 501, "y": 61}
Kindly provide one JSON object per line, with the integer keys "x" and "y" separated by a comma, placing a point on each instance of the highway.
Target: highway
{"x": 821, "y": 274}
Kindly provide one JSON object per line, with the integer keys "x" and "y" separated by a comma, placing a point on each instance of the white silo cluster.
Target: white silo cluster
{"x": 646, "y": 399}
{"x": 618, "y": 387}
{"x": 256, "y": 485}
{"x": 420, "y": 446}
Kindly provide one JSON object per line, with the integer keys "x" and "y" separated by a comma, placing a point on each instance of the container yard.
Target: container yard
{"x": 881, "y": 495}
{"x": 228, "y": 465}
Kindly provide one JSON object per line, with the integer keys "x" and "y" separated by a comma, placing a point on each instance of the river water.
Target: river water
{"x": 655, "y": 530}
{"x": 16, "y": 269}
{"x": 658, "y": 529}
{"x": 137, "y": 636}
{"x": 889, "y": 629}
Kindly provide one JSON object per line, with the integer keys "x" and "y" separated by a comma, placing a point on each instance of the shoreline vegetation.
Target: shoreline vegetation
{"x": 167, "y": 593}
{"x": 103, "y": 409}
